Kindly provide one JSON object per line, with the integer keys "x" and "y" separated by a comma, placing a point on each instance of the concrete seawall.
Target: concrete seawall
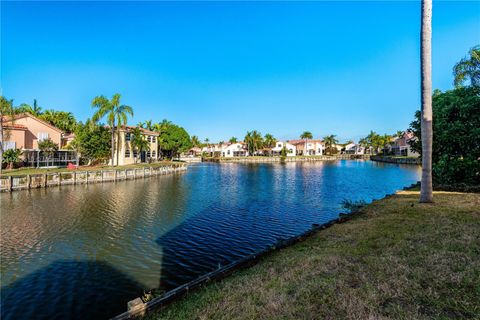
{"x": 34, "y": 181}
{"x": 414, "y": 161}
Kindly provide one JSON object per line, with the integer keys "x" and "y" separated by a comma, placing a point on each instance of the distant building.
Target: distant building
{"x": 309, "y": 148}
{"x": 127, "y": 154}
{"x": 401, "y": 145}
{"x": 237, "y": 149}
{"x": 290, "y": 148}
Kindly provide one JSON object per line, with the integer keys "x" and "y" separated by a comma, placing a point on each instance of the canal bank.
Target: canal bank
{"x": 9, "y": 183}
{"x": 397, "y": 160}
{"x": 262, "y": 159}
{"x": 389, "y": 261}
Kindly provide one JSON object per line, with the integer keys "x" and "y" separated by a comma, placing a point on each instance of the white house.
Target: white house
{"x": 354, "y": 148}
{"x": 277, "y": 150}
{"x": 310, "y": 148}
{"x": 236, "y": 149}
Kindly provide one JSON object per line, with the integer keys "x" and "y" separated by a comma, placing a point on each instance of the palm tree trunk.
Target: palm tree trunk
{"x": 1, "y": 143}
{"x": 426, "y": 192}
{"x": 118, "y": 142}
{"x": 113, "y": 143}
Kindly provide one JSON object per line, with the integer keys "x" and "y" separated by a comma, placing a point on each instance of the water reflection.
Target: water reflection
{"x": 166, "y": 230}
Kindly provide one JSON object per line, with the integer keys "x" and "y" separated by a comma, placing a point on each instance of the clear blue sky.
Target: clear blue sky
{"x": 222, "y": 68}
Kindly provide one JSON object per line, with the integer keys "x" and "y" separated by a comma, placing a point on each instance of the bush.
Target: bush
{"x": 456, "y": 135}
{"x": 11, "y": 157}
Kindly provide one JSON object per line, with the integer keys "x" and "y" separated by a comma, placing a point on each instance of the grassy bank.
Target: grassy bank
{"x": 24, "y": 171}
{"x": 399, "y": 259}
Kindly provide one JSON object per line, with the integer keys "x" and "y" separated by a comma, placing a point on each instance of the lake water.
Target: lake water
{"x": 84, "y": 251}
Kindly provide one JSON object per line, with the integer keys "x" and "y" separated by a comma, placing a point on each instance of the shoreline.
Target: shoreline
{"x": 16, "y": 182}
{"x": 289, "y": 159}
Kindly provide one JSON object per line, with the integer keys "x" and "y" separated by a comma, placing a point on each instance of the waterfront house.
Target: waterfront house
{"x": 213, "y": 150}
{"x": 290, "y": 148}
{"x": 25, "y": 131}
{"x": 401, "y": 145}
{"x": 237, "y": 149}
{"x": 353, "y": 148}
{"x": 127, "y": 154}
{"x": 309, "y": 147}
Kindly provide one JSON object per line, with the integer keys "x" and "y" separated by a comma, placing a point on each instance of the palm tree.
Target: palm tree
{"x": 426, "y": 189}
{"x": 195, "y": 141}
{"x": 233, "y": 140}
{"x": 468, "y": 69}
{"x": 116, "y": 116}
{"x": 306, "y": 135}
{"x": 7, "y": 111}
{"x": 146, "y": 125}
{"x": 138, "y": 141}
{"x": 254, "y": 141}
{"x": 269, "y": 140}
{"x": 330, "y": 141}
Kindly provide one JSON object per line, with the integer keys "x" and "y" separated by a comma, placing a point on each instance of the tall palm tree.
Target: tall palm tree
{"x": 233, "y": 140}
{"x": 269, "y": 140}
{"x": 254, "y": 141}
{"x": 195, "y": 141}
{"x": 330, "y": 141}
{"x": 468, "y": 68}
{"x": 116, "y": 115}
{"x": 426, "y": 190}
{"x": 306, "y": 135}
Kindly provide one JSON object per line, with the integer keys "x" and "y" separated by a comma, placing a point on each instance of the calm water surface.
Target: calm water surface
{"x": 85, "y": 251}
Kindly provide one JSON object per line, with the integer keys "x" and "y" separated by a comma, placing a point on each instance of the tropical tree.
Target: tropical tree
{"x": 426, "y": 189}
{"x": 468, "y": 69}
{"x": 174, "y": 139}
{"x": 11, "y": 156}
{"x": 116, "y": 115}
{"x": 47, "y": 147}
{"x": 36, "y": 110}
{"x": 138, "y": 141}
{"x": 195, "y": 141}
{"x": 330, "y": 141}
{"x": 269, "y": 140}
{"x": 7, "y": 111}
{"x": 233, "y": 140}
{"x": 148, "y": 124}
{"x": 306, "y": 135}
{"x": 61, "y": 119}
{"x": 92, "y": 142}
{"x": 254, "y": 141}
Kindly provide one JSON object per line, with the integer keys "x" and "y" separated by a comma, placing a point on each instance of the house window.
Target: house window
{"x": 9, "y": 145}
{"x": 279, "y": 145}
{"x": 127, "y": 153}
{"x": 154, "y": 139}
{"x": 149, "y": 139}
{"x": 148, "y": 154}
{"x": 228, "y": 151}
{"x": 128, "y": 136}
{"x": 135, "y": 153}
{"x": 153, "y": 154}
{"x": 42, "y": 136}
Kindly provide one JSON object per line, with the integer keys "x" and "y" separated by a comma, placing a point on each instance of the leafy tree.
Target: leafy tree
{"x": 456, "y": 147}
{"x": 11, "y": 156}
{"x": 115, "y": 113}
{"x": 47, "y": 147}
{"x": 138, "y": 141}
{"x": 173, "y": 140}
{"x": 7, "y": 111}
{"x": 269, "y": 141}
{"x": 330, "y": 142}
{"x": 233, "y": 140}
{"x": 65, "y": 121}
{"x": 92, "y": 142}
{"x": 468, "y": 69}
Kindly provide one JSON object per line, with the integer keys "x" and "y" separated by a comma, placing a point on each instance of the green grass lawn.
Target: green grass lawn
{"x": 24, "y": 171}
{"x": 398, "y": 260}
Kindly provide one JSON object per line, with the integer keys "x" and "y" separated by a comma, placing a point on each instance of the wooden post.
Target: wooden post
{"x": 45, "y": 181}
{"x": 115, "y": 175}
{"x": 102, "y": 175}
{"x": 134, "y": 173}
{"x": 29, "y": 179}
{"x": 10, "y": 183}
{"x": 74, "y": 178}
{"x": 86, "y": 177}
{"x": 59, "y": 178}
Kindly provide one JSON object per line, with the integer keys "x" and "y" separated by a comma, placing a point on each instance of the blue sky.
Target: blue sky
{"x": 222, "y": 68}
